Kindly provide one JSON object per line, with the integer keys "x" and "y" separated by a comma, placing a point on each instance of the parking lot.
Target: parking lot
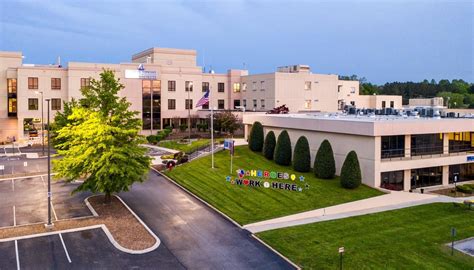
{"x": 88, "y": 249}
{"x": 24, "y": 201}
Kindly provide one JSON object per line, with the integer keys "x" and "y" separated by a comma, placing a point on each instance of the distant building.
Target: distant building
{"x": 436, "y": 102}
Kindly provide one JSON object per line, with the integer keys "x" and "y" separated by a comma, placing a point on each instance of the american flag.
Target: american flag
{"x": 204, "y": 100}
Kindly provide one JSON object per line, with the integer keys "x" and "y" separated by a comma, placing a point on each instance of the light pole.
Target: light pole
{"x": 49, "y": 225}
{"x": 42, "y": 120}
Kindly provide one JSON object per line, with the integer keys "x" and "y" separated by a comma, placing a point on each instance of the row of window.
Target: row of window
{"x": 205, "y": 86}
{"x": 33, "y": 84}
{"x": 188, "y": 104}
{"x": 33, "y": 104}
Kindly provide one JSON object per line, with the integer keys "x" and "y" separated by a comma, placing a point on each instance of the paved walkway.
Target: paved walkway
{"x": 394, "y": 200}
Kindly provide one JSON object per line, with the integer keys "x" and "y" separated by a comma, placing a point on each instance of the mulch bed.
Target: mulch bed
{"x": 124, "y": 227}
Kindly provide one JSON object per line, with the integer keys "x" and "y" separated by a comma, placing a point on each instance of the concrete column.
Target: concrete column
{"x": 445, "y": 143}
{"x": 407, "y": 145}
{"x": 445, "y": 175}
{"x": 407, "y": 180}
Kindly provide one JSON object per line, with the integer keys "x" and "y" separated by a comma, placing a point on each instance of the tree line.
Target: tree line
{"x": 456, "y": 93}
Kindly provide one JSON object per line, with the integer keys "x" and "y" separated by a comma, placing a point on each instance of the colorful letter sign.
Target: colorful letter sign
{"x": 268, "y": 179}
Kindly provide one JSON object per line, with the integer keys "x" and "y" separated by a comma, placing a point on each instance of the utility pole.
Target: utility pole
{"x": 50, "y": 224}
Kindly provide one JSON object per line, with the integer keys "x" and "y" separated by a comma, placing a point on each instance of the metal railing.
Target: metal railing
{"x": 424, "y": 152}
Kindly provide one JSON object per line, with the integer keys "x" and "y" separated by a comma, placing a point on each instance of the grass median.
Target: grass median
{"x": 247, "y": 204}
{"x": 410, "y": 238}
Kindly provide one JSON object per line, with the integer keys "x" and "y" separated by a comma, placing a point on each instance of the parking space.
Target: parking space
{"x": 88, "y": 249}
{"x": 24, "y": 201}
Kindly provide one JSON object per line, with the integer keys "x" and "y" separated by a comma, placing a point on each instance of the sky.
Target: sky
{"x": 383, "y": 41}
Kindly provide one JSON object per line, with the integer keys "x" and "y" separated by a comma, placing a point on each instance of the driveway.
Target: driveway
{"x": 197, "y": 236}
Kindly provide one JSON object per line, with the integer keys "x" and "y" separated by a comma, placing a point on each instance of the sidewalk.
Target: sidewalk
{"x": 394, "y": 200}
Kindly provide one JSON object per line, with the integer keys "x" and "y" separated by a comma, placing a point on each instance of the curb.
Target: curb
{"x": 112, "y": 239}
{"x": 228, "y": 218}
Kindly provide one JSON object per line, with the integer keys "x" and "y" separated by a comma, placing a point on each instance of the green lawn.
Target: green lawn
{"x": 184, "y": 147}
{"x": 410, "y": 238}
{"x": 247, "y": 204}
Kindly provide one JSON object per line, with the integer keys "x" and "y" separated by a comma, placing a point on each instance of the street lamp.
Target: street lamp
{"x": 42, "y": 121}
{"x": 49, "y": 225}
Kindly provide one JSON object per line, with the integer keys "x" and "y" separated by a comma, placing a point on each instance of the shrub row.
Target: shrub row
{"x": 467, "y": 188}
{"x": 161, "y": 135}
{"x": 324, "y": 164}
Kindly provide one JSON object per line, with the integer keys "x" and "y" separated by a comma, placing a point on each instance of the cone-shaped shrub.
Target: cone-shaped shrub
{"x": 302, "y": 155}
{"x": 269, "y": 145}
{"x": 324, "y": 163}
{"x": 256, "y": 137}
{"x": 350, "y": 172}
{"x": 282, "y": 155}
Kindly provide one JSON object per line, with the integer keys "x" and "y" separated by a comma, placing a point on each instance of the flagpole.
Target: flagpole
{"x": 189, "y": 116}
{"x": 212, "y": 128}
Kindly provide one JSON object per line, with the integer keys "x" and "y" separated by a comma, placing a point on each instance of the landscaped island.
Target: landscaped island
{"x": 246, "y": 204}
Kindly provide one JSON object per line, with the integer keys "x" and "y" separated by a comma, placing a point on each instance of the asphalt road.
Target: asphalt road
{"x": 196, "y": 235}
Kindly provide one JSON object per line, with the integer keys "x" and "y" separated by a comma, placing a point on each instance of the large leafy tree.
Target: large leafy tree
{"x": 101, "y": 142}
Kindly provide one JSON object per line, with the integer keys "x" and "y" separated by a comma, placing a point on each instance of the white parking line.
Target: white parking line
{"x": 54, "y": 211}
{"x": 42, "y": 179}
{"x": 65, "y": 249}
{"x": 13, "y": 184}
{"x": 17, "y": 257}
{"x": 14, "y": 216}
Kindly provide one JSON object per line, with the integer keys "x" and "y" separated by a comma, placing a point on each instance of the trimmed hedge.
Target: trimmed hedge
{"x": 282, "y": 155}
{"x": 324, "y": 163}
{"x": 350, "y": 172}
{"x": 256, "y": 137}
{"x": 269, "y": 145}
{"x": 467, "y": 188}
{"x": 302, "y": 155}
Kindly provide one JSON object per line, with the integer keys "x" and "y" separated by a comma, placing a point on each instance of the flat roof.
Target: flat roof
{"x": 364, "y": 125}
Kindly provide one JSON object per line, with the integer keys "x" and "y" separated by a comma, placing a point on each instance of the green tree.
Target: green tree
{"x": 256, "y": 137}
{"x": 269, "y": 145}
{"x": 227, "y": 121}
{"x": 302, "y": 155}
{"x": 351, "y": 176}
{"x": 61, "y": 119}
{"x": 452, "y": 100}
{"x": 324, "y": 163}
{"x": 282, "y": 155}
{"x": 102, "y": 142}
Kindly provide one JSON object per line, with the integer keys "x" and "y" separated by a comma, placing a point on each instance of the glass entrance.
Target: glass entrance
{"x": 425, "y": 177}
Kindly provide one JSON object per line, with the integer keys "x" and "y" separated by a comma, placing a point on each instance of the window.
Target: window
{"x": 33, "y": 104}
{"x": 205, "y": 86}
{"x": 205, "y": 106}
{"x": 255, "y": 103}
{"x": 188, "y": 104}
{"x": 32, "y": 82}
{"x": 12, "y": 106}
{"x": 353, "y": 103}
{"x": 383, "y": 105}
{"x": 307, "y": 86}
{"x": 392, "y": 104}
{"x": 56, "y": 104}
{"x": 220, "y": 87}
{"x": 254, "y": 86}
{"x": 236, "y": 87}
{"x": 244, "y": 87}
{"x": 262, "y": 103}
{"x": 461, "y": 142}
{"x": 236, "y": 103}
{"x": 188, "y": 86}
{"x": 56, "y": 83}
{"x": 151, "y": 104}
{"x": 393, "y": 146}
{"x": 426, "y": 144}
{"x": 339, "y": 88}
{"x": 353, "y": 90}
{"x": 244, "y": 103}
{"x": 262, "y": 85}
{"x": 392, "y": 180}
{"x": 11, "y": 85}
{"x": 220, "y": 104}
{"x": 171, "y": 86}
{"x": 85, "y": 82}
{"x": 171, "y": 104}
{"x": 462, "y": 172}
{"x": 426, "y": 177}
{"x": 307, "y": 104}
